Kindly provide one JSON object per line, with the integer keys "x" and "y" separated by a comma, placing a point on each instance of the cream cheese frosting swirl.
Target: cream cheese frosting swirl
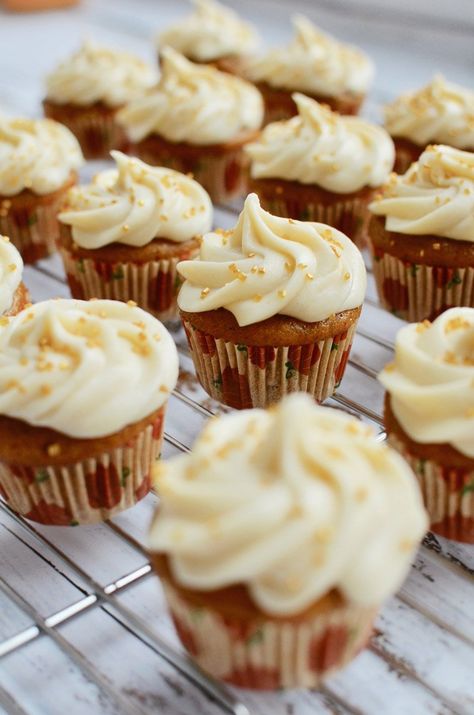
{"x": 314, "y": 63}
{"x": 269, "y": 265}
{"x": 441, "y": 113}
{"x": 99, "y": 74}
{"x": 36, "y": 154}
{"x": 193, "y": 103}
{"x": 136, "y": 203}
{"x": 435, "y": 196}
{"x": 212, "y": 31}
{"x": 431, "y": 381}
{"x": 339, "y": 153}
{"x": 85, "y": 369}
{"x": 292, "y": 502}
{"x": 11, "y": 267}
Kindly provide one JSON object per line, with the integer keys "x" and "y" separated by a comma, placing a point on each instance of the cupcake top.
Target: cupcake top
{"x": 339, "y": 153}
{"x": 291, "y": 502}
{"x": 85, "y": 368}
{"x": 435, "y": 196}
{"x": 441, "y": 113}
{"x": 193, "y": 103}
{"x": 431, "y": 381}
{"x": 314, "y": 63}
{"x": 11, "y": 267}
{"x": 36, "y": 154}
{"x": 99, "y": 74}
{"x": 136, "y": 203}
{"x": 269, "y": 265}
{"x": 212, "y": 31}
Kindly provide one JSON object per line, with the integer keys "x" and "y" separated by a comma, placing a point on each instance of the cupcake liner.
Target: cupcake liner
{"x": 244, "y": 376}
{"x": 279, "y": 104}
{"x": 448, "y": 494}
{"x": 88, "y": 491}
{"x": 416, "y": 292}
{"x": 153, "y": 285}
{"x": 267, "y": 653}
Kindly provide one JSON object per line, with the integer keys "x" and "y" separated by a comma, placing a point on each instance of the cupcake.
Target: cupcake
{"x": 422, "y": 236}
{"x": 271, "y": 307}
{"x": 440, "y": 113}
{"x": 278, "y": 537}
{"x": 197, "y": 120}
{"x": 212, "y": 34}
{"x": 39, "y": 160}
{"x": 83, "y": 391}
{"x": 315, "y": 64}
{"x": 429, "y": 415}
{"x": 321, "y": 166}
{"x": 123, "y": 235}
{"x": 13, "y": 293}
{"x": 86, "y": 91}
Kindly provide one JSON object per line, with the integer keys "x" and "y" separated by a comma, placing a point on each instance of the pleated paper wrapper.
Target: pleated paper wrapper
{"x": 244, "y": 376}
{"x": 88, "y": 491}
{"x": 448, "y": 494}
{"x": 269, "y": 654}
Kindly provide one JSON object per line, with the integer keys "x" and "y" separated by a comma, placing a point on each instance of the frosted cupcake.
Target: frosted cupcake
{"x": 429, "y": 415}
{"x": 86, "y": 91}
{"x": 13, "y": 293}
{"x": 278, "y": 537}
{"x": 271, "y": 307}
{"x": 39, "y": 160}
{"x": 422, "y": 236}
{"x": 315, "y": 64}
{"x": 321, "y": 166}
{"x": 123, "y": 235}
{"x": 83, "y": 391}
{"x": 212, "y": 34}
{"x": 197, "y": 120}
{"x": 440, "y": 113}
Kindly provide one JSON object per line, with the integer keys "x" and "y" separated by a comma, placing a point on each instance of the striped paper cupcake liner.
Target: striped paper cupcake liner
{"x": 448, "y": 494}
{"x": 244, "y": 376}
{"x": 268, "y": 654}
{"x": 33, "y": 229}
{"x": 97, "y": 132}
{"x": 415, "y": 291}
{"x": 88, "y": 491}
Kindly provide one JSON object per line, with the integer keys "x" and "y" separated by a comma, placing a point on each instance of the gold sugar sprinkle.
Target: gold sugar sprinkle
{"x": 125, "y": 227}
{"x": 53, "y": 450}
{"x": 257, "y": 298}
{"x": 12, "y": 267}
{"x": 204, "y": 292}
{"x": 282, "y": 293}
{"x": 458, "y": 323}
{"x": 261, "y": 270}
{"x": 302, "y": 265}
{"x": 347, "y": 276}
{"x": 436, "y": 246}
{"x": 46, "y": 390}
{"x": 141, "y": 202}
{"x": 309, "y": 277}
{"x": 131, "y": 304}
{"x": 4, "y": 321}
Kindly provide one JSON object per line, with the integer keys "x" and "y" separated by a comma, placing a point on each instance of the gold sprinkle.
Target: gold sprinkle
{"x": 257, "y": 298}
{"x": 424, "y": 325}
{"x": 347, "y": 276}
{"x": 157, "y": 337}
{"x": 141, "y": 202}
{"x": 24, "y": 360}
{"x": 4, "y": 321}
{"x": 251, "y": 254}
{"x": 336, "y": 252}
{"x": 458, "y": 323}
{"x": 389, "y": 367}
{"x": 53, "y": 450}
{"x": 46, "y": 390}
{"x": 131, "y": 304}
{"x": 204, "y": 292}
{"x": 15, "y": 385}
{"x": 12, "y": 267}
{"x": 262, "y": 270}
{"x": 125, "y": 227}
{"x": 302, "y": 265}
{"x": 282, "y": 293}
{"x": 309, "y": 277}
{"x": 436, "y": 246}
{"x": 163, "y": 388}
{"x": 288, "y": 266}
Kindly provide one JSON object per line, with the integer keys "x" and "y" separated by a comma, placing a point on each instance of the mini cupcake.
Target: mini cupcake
{"x": 429, "y": 415}
{"x": 123, "y": 234}
{"x": 86, "y": 91}
{"x": 315, "y": 64}
{"x": 422, "y": 236}
{"x": 197, "y": 120}
{"x": 271, "y": 307}
{"x": 440, "y": 113}
{"x": 38, "y": 164}
{"x": 212, "y": 34}
{"x": 278, "y": 537}
{"x": 321, "y": 166}
{"x": 13, "y": 293}
{"x": 83, "y": 391}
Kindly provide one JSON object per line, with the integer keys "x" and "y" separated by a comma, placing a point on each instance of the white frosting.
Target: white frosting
{"x": 441, "y": 113}
{"x": 339, "y": 153}
{"x": 431, "y": 382}
{"x": 11, "y": 267}
{"x": 269, "y": 265}
{"x": 314, "y": 63}
{"x": 99, "y": 74}
{"x": 85, "y": 369}
{"x": 212, "y": 31}
{"x": 135, "y": 203}
{"x": 435, "y": 196}
{"x": 194, "y": 103}
{"x": 36, "y": 154}
{"x": 292, "y": 502}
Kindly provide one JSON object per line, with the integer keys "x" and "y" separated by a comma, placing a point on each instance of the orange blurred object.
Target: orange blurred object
{"x": 33, "y": 5}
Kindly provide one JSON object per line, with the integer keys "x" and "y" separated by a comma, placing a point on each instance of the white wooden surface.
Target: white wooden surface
{"x": 104, "y": 660}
